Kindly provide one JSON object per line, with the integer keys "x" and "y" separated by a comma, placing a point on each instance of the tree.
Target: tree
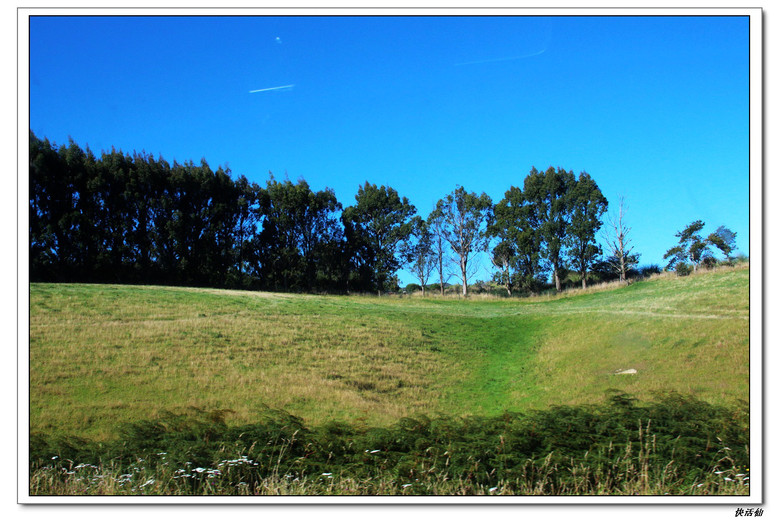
{"x": 619, "y": 243}
{"x": 503, "y": 257}
{"x": 247, "y": 220}
{"x": 438, "y": 243}
{"x": 375, "y": 227}
{"x": 420, "y": 252}
{"x": 725, "y": 240}
{"x": 548, "y": 194}
{"x": 515, "y": 221}
{"x": 131, "y": 218}
{"x": 587, "y": 206}
{"x": 690, "y": 249}
{"x": 47, "y": 209}
{"x": 465, "y": 217}
{"x": 297, "y": 223}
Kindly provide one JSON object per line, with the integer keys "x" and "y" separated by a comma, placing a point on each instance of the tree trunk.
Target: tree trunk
{"x": 507, "y": 278}
{"x": 584, "y": 274}
{"x": 463, "y": 268}
{"x": 622, "y": 263}
{"x": 557, "y": 279}
{"x": 441, "y": 269}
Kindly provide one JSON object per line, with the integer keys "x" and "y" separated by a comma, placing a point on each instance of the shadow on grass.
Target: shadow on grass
{"x": 674, "y": 444}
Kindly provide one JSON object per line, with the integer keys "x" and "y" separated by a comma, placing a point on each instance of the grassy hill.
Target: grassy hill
{"x": 101, "y": 355}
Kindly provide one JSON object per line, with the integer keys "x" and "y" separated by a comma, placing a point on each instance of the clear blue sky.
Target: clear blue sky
{"x": 654, "y": 108}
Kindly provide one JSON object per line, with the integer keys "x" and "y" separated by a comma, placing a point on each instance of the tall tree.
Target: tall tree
{"x": 420, "y": 252}
{"x": 618, "y": 242}
{"x": 375, "y": 227}
{"x": 587, "y": 205}
{"x": 548, "y": 194}
{"x": 141, "y": 197}
{"x": 466, "y": 216}
{"x": 297, "y": 222}
{"x": 46, "y": 171}
{"x": 515, "y": 223}
{"x": 162, "y": 212}
{"x": 436, "y": 225}
{"x": 247, "y": 220}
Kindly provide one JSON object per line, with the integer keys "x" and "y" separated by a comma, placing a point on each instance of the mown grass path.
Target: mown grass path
{"x": 102, "y": 355}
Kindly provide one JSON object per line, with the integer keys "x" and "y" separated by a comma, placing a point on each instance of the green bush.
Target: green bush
{"x": 683, "y": 269}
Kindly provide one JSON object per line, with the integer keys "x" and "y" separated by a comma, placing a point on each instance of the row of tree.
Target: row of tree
{"x": 139, "y": 219}
{"x": 536, "y": 232}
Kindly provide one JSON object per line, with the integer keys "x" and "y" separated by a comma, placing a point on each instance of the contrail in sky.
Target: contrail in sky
{"x": 272, "y": 88}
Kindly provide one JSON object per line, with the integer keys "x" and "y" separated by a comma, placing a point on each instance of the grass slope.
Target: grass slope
{"x": 103, "y": 355}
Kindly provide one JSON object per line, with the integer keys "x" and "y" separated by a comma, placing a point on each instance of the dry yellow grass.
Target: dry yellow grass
{"x": 102, "y": 355}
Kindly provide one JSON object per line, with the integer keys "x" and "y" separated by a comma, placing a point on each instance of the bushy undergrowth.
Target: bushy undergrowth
{"x": 674, "y": 445}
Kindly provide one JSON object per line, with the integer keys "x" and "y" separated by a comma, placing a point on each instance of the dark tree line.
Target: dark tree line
{"x": 139, "y": 219}
{"x": 135, "y": 218}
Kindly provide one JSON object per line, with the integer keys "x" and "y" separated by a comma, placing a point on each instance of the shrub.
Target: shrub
{"x": 647, "y": 270}
{"x": 683, "y": 269}
{"x": 709, "y": 262}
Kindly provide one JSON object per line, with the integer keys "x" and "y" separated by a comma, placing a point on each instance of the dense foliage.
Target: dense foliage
{"x": 675, "y": 441}
{"x": 139, "y": 219}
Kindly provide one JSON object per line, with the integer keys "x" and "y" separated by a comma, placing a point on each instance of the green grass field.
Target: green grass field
{"x": 103, "y": 355}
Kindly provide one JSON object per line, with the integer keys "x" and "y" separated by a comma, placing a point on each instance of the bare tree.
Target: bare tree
{"x": 618, "y": 242}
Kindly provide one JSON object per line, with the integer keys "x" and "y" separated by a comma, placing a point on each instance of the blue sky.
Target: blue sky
{"x": 654, "y": 108}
